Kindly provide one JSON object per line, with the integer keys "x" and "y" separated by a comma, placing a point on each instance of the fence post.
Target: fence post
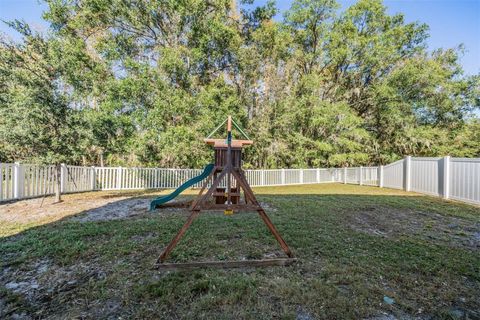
{"x": 344, "y": 175}
{"x": 119, "y": 178}
{"x": 334, "y": 175}
{"x": 155, "y": 178}
{"x": 301, "y": 176}
{"x": 262, "y": 177}
{"x": 407, "y": 168}
{"x": 93, "y": 179}
{"x": 18, "y": 182}
{"x": 446, "y": 177}
{"x": 63, "y": 178}
{"x": 318, "y": 175}
{"x": 283, "y": 176}
{"x": 380, "y": 176}
{"x": 360, "y": 180}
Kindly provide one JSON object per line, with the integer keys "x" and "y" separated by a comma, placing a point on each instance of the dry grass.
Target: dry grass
{"x": 92, "y": 256}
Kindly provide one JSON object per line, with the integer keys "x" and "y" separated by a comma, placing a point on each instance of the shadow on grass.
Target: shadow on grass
{"x": 353, "y": 249}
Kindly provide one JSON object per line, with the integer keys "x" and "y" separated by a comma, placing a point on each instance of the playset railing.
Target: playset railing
{"x": 450, "y": 178}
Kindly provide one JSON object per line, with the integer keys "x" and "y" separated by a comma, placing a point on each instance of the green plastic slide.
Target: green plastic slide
{"x": 188, "y": 184}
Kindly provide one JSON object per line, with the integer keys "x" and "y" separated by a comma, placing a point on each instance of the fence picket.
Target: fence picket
{"x": 455, "y": 178}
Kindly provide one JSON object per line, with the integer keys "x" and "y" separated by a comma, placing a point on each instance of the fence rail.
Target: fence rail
{"x": 455, "y": 178}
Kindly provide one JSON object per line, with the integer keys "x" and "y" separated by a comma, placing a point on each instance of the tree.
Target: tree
{"x": 143, "y": 80}
{"x": 38, "y": 122}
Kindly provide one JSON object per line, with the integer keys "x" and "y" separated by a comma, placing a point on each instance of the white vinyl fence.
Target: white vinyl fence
{"x": 449, "y": 178}
{"x": 455, "y": 178}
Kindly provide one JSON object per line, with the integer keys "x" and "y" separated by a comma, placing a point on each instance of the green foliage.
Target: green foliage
{"x": 36, "y": 120}
{"x": 142, "y": 82}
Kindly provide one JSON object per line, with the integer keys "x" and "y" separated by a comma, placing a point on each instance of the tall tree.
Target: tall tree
{"x": 321, "y": 87}
{"x": 37, "y": 122}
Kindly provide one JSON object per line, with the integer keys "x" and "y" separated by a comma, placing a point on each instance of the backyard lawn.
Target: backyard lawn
{"x": 363, "y": 253}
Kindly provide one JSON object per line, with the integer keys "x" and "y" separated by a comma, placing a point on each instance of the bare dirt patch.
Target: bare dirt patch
{"x": 119, "y": 209}
{"x": 39, "y": 209}
{"x": 92, "y": 206}
{"x": 123, "y": 208}
{"x": 36, "y": 283}
{"x": 395, "y": 222}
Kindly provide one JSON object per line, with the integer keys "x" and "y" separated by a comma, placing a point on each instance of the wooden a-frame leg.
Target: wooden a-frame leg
{"x": 275, "y": 233}
{"x": 193, "y": 215}
{"x": 210, "y": 191}
{"x": 194, "y": 203}
{"x": 251, "y": 196}
{"x": 177, "y": 238}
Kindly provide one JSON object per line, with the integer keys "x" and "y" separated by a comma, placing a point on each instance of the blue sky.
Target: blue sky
{"x": 451, "y": 22}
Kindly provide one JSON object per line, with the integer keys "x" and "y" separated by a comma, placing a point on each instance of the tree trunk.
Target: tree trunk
{"x": 58, "y": 178}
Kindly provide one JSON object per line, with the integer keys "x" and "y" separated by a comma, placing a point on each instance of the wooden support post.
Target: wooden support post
{"x": 179, "y": 235}
{"x": 275, "y": 233}
{"x": 205, "y": 184}
{"x": 229, "y": 161}
{"x": 197, "y": 205}
{"x": 229, "y": 124}
{"x": 195, "y": 211}
{"x": 344, "y": 175}
{"x": 252, "y": 199}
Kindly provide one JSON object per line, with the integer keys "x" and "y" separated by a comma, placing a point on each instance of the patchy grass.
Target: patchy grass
{"x": 93, "y": 256}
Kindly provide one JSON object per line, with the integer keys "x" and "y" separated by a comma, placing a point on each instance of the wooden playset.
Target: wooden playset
{"x": 226, "y": 189}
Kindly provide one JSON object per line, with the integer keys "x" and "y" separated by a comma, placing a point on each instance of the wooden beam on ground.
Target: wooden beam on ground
{"x": 176, "y": 204}
{"x": 227, "y": 264}
{"x": 236, "y": 207}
